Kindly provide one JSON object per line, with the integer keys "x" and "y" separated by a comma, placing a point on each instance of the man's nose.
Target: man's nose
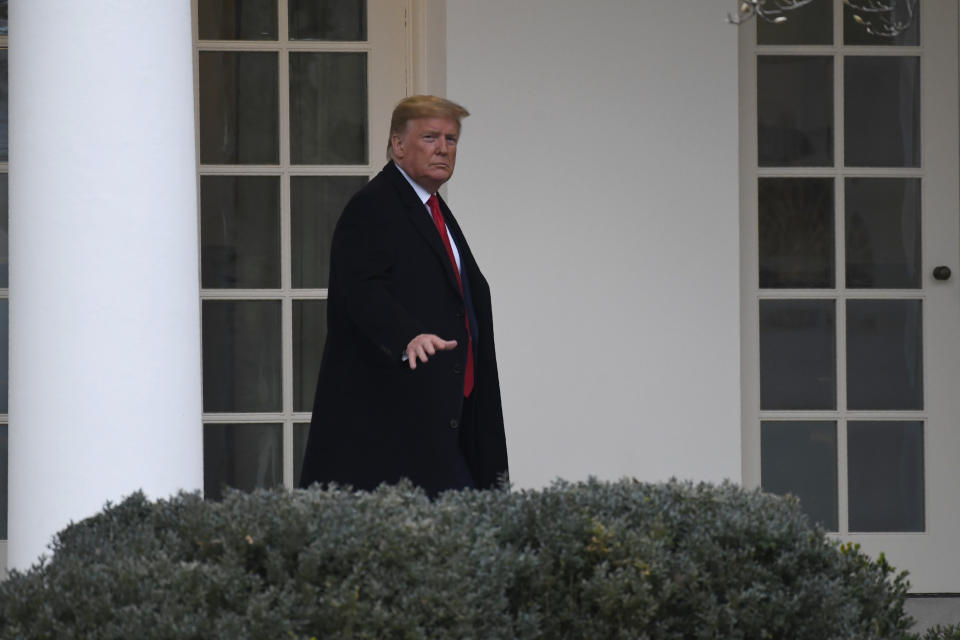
{"x": 442, "y": 146}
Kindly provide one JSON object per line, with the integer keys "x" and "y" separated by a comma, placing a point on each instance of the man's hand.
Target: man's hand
{"x": 426, "y": 344}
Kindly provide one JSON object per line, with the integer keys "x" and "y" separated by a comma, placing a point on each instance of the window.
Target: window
{"x": 837, "y": 298}
{"x": 293, "y": 103}
{"x": 4, "y": 270}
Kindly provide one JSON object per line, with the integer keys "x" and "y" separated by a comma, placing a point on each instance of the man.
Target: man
{"x": 408, "y": 383}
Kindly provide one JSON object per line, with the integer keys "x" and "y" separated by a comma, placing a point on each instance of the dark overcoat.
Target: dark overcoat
{"x": 374, "y": 419}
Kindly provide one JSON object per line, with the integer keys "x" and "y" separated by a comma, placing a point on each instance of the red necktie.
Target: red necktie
{"x": 434, "y": 205}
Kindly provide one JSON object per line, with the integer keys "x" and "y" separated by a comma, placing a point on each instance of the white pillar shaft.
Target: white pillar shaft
{"x": 105, "y": 372}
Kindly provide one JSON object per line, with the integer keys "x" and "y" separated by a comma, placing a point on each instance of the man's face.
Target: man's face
{"x": 427, "y": 150}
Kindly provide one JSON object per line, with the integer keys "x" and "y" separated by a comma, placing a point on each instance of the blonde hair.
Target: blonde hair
{"x": 421, "y": 107}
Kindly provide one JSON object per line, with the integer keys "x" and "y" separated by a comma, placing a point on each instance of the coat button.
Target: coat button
{"x": 457, "y": 369}
{"x": 454, "y": 424}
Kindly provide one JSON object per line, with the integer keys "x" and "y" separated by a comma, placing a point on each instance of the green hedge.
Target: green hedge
{"x": 942, "y": 632}
{"x": 592, "y": 560}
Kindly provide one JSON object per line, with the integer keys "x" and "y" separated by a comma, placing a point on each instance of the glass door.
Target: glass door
{"x": 851, "y": 302}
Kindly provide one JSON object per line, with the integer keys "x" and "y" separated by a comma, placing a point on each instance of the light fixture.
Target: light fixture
{"x": 769, "y": 10}
{"x": 881, "y": 17}
{"x": 886, "y": 18}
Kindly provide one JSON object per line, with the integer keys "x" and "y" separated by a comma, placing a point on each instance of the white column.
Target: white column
{"x": 105, "y": 372}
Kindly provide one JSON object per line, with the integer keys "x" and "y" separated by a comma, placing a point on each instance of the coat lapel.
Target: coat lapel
{"x": 421, "y": 220}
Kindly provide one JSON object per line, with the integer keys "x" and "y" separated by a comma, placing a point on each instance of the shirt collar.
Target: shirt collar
{"x": 422, "y": 193}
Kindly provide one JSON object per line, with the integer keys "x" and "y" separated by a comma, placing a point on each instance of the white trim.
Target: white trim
{"x": 428, "y": 50}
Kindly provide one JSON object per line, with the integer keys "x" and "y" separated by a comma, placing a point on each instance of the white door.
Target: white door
{"x": 851, "y": 323}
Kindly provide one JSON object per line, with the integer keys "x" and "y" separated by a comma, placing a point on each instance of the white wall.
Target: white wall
{"x": 597, "y": 183}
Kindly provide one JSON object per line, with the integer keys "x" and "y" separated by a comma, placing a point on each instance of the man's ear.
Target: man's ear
{"x": 396, "y": 143}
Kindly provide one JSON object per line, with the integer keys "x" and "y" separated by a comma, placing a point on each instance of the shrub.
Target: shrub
{"x": 941, "y": 632}
{"x": 593, "y": 560}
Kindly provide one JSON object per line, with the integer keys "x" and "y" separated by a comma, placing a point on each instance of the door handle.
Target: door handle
{"x": 941, "y": 272}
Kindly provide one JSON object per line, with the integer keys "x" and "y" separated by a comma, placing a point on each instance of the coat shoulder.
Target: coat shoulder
{"x": 376, "y": 197}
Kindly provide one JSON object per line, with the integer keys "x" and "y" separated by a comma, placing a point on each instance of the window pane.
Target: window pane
{"x": 4, "y": 493}
{"x": 885, "y": 461}
{"x": 796, "y": 232}
{"x": 800, "y": 458}
{"x": 239, "y": 112}
{"x": 241, "y": 355}
{"x": 4, "y": 231}
{"x": 4, "y": 108}
{"x": 4, "y": 354}
{"x": 328, "y": 108}
{"x": 883, "y": 233}
{"x": 237, "y": 19}
{"x": 857, "y": 34}
{"x": 797, "y": 354}
{"x": 884, "y": 354}
{"x": 309, "y": 336}
{"x": 3, "y": 18}
{"x": 315, "y": 206}
{"x": 243, "y": 456}
{"x": 301, "y": 432}
{"x": 811, "y": 25}
{"x": 240, "y": 231}
{"x": 795, "y": 111}
{"x": 328, "y": 20}
{"x": 881, "y": 111}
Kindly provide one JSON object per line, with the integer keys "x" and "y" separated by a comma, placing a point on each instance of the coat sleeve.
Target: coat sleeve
{"x": 362, "y": 263}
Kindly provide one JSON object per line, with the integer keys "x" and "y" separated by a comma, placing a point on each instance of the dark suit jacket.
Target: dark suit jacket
{"x": 375, "y": 420}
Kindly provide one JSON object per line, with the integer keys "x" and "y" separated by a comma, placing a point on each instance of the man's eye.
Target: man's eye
{"x": 451, "y": 140}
